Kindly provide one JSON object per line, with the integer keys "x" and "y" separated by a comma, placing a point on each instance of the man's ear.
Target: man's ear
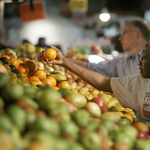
{"x": 139, "y": 34}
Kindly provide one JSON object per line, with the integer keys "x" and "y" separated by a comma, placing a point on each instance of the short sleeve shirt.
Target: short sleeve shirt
{"x": 133, "y": 92}
{"x": 121, "y": 66}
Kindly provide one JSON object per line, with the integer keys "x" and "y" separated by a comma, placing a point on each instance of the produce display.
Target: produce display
{"x": 46, "y": 107}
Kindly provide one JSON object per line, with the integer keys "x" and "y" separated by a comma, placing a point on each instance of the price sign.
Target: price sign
{"x": 78, "y": 5}
{"x": 27, "y": 14}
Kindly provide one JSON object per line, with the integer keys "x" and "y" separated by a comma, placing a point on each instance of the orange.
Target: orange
{"x": 30, "y": 64}
{"x": 130, "y": 117}
{"x": 50, "y": 54}
{"x": 41, "y": 74}
{"x": 53, "y": 80}
{"x": 33, "y": 78}
{"x": 14, "y": 61}
{"x": 48, "y": 82}
{"x": 55, "y": 88}
{"x": 23, "y": 69}
{"x": 64, "y": 84}
{"x": 35, "y": 82}
{"x": 20, "y": 61}
{"x": 8, "y": 57}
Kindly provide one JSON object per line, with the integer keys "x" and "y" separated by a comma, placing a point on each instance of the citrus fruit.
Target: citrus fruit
{"x": 35, "y": 82}
{"x": 3, "y": 78}
{"x": 123, "y": 121}
{"x": 32, "y": 78}
{"x": 30, "y": 64}
{"x": 50, "y": 54}
{"x": 8, "y": 57}
{"x": 4, "y": 60}
{"x": 55, "y": 88}
{"x": 47, "y": 81}
{"x": 14, "y": 61}
{"x": 41, "y": 74}
{"x": 65, "y": 91}
{"x": 53, "y": 80}
{"x": 3, "y": 69}
{"x": 64, "y": 84}
{"x": 130, "y": 117}
{"x": 23, "y": 69}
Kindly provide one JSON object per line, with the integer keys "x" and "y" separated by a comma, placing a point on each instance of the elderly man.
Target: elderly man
{"x": 135, "y": 35}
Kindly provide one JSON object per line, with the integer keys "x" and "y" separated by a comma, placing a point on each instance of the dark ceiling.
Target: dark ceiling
{"x": 122, "y": 7}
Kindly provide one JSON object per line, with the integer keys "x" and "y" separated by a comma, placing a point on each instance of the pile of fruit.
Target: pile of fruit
{"x": 49, "y": 109}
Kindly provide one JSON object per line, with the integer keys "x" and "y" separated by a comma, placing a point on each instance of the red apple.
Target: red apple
{"x": 72, "y": 57}
{"x": 141, "y": 127}
{"x": 95, "y": 49}
{"x": 101, "y": 103}
{"x": 142, "y": 135}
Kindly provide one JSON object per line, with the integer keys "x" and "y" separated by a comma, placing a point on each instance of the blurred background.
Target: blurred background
{"x": 67, "y": 23}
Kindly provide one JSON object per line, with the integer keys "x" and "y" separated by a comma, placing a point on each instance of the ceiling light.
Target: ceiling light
{"x": 104, "y": 15}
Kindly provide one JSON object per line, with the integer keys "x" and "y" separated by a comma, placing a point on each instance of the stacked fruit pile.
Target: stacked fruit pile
{"x": 58, "y": 111}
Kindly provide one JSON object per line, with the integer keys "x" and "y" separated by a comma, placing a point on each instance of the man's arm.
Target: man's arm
{"x": 81, "y": 63}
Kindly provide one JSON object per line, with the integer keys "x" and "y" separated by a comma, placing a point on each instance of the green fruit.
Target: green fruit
{"x": 62, "y": 144}
{"x": 142, "y": 144}
{"x": 14, "y": 91}
{"x": 124, "y": 138}
{"x": 123, "y": 122}
{"x": 90, "y": 140}
{"x": 45, "y": 124}
{"x": 76, "y": 99}
{"x": 30, "y": 91}
{"x": 61, "y": 108}
{"x": 48, "y": 98}
{"x": 41, "y": 136}
{"x": 1, "y": 103}
{"x": 18, "y": 74}
{"x": 81, "y": 121}
{"x": 64, "y": 91}
{"x": 30, "y": 101}
{"x": 69, "y": 128}
{"x": 59, "y": 77}
{"x": 76, "y": 146}
{"x": 110, "y": 125}
{"x": 4, "y": 79}
{"x": 13, "y": 68}
{"x": 5, "y": 123}
{"x": 4, "y": 60}
{"x": 18, "y": 116}
{"x": 92, "y": 125}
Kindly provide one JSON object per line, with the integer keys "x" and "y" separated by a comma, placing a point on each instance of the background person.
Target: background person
{"x": 135, "y": 35}
{"x": 131, "y": 91}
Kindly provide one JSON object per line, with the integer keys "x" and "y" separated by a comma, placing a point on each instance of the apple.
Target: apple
{"x": 95, "y": 49}
{"x": 101, "y": 103}
{"x": 72, "y": 57}
{"x": 142, "y": 135}
{"x": 141, "y": 127}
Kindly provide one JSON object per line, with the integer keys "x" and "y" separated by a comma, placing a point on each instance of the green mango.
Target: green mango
{"x": 45, "y": 124}
{"x": 59, "y": 77}
{"x": 18, "y": 116}
{"x": 69, "y": 128}
{"x": 81, "y": 121}
{"x": 5, "y": 123}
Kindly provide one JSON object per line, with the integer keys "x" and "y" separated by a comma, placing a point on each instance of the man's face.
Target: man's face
{"x": 128, "y": 37}
{"x": 144, "y": 63}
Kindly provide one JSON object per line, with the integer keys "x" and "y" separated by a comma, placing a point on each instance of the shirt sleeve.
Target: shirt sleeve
{"x": 106, "y": 68}
{"x": 125, "y": 90}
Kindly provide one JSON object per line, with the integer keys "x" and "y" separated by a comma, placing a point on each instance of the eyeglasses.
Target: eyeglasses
{"x": 124, "y": 32}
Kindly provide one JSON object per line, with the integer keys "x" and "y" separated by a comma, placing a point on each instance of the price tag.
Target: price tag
{"x": 27, "y": 14}
{"x": 78, "y": 5}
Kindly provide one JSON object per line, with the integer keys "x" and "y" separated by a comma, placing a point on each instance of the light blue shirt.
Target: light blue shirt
{"x": 124, "y": 65}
